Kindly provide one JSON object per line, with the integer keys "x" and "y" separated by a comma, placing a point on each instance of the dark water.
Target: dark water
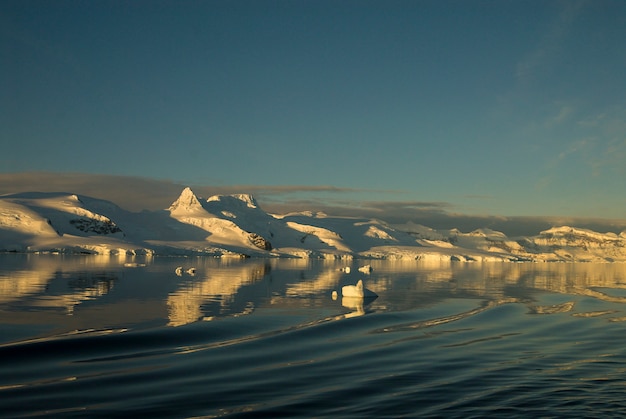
{"x": 88, "y": 336}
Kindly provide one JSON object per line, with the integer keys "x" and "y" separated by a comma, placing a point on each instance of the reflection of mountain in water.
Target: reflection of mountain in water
{"x": 405, "y": 286}
{"x": 400, "y": 285}
{"x": 56, "y": 283}
{"x": 228, "y": 288}
{"x": 82, "y": 287}
{"x": 24, "y": 283}
{"x": 499, "y": 284}
{"x": 565, "y": 278}
{"x": 326, "y": 280}
{"x": 217, "y": 287}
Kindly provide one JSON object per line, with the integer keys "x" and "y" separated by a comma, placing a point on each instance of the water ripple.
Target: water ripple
{"x": 434, "y": 344}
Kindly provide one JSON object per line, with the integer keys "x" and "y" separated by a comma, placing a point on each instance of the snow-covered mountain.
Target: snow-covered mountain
{"x": 235, "y": 225}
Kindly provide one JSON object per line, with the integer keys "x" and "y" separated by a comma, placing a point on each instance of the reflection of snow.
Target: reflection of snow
{"x": 22, "y": 284}
{"x": 447, "y": 319}
{"x": 556, "y": 308}
{"x": 34, "y": 284}
{"x": 70, "y": 300}
{"x": 184, "y": 307}
{"x": 326, "y": 280}
{"x": 594, "y": 313}
{"x": 220, "y": 284}
{"x": 353, "y": 303}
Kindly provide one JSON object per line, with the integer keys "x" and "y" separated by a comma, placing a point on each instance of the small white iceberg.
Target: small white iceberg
{"x": 366, "y": 269}
{"x": 179, "y": 271}
{"x": 358, "y": 291}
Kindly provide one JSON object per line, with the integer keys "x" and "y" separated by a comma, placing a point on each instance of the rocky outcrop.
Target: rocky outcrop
{"x": 259, "y": 241}
{"x": 90, "y": 225}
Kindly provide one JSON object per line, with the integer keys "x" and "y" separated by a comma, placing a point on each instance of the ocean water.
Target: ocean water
{"x": 92, "y": 336}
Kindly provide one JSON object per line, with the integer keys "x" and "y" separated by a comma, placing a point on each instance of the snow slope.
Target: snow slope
{"x": 235, "y": 225}
{"x": 61, "y": 222}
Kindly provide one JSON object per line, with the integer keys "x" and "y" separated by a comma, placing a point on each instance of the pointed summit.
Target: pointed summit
{"x": 187, "y": 201}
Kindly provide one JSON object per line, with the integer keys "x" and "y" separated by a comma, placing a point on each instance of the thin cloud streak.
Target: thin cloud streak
{"x": 602, "y": 145}
{"x": 130, "y": 193}
{"x": 551, "y": 42}
{"x": 282, "y": 190}
{"x": 138, "y": 193}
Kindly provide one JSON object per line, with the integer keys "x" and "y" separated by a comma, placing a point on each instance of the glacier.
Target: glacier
{"x": 237, "y": 226}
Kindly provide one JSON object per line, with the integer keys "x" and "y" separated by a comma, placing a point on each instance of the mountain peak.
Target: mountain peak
{"x": 246, "y": 199}
{"x": 186, "y": 201}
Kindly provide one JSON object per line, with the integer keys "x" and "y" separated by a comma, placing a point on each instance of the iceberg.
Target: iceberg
{"x": 357, "y": 291}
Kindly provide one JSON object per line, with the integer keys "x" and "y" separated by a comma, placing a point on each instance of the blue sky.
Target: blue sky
{"x": 511, "y": 108}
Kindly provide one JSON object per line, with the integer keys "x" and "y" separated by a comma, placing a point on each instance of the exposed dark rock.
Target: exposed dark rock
{"x": 259, "y": 242}
{"x": 89, "y": 225}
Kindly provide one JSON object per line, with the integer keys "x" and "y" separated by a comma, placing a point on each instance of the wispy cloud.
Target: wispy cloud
{"x": 478, "y": 197}
{"x": 387, "y": 210}
{"x": 129, "y": 192}
{"x": 598, "y": 151}
{"x": 285, "y": 190}
{"x": 138, "y": 193}
{"x": 592, "y": 121}
{"x": 563, "y": 114}
{"x": 440, "y": 215}
{"x": 574, "y": 148}
{"x": 607, "y": 131}
{"x": 551, "y": 42}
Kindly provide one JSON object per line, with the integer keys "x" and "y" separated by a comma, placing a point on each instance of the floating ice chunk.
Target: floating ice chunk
{"x": 180, "y": 270}
{"x": 365, "y": 269}
{"x": 134, "y": 265}
{"x": 357, "y": 290}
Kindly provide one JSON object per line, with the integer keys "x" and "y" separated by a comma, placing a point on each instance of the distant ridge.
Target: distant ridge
{"x": 235, "y": 225}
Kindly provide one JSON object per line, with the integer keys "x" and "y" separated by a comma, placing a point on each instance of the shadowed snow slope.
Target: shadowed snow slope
{"x": 235, "y": 225}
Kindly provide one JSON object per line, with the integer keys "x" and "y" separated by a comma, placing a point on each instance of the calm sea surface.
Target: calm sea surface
{"x": 101, "y": 337}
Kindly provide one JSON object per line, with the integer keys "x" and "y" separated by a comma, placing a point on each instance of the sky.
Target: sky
{"x": 485, "y": 109}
